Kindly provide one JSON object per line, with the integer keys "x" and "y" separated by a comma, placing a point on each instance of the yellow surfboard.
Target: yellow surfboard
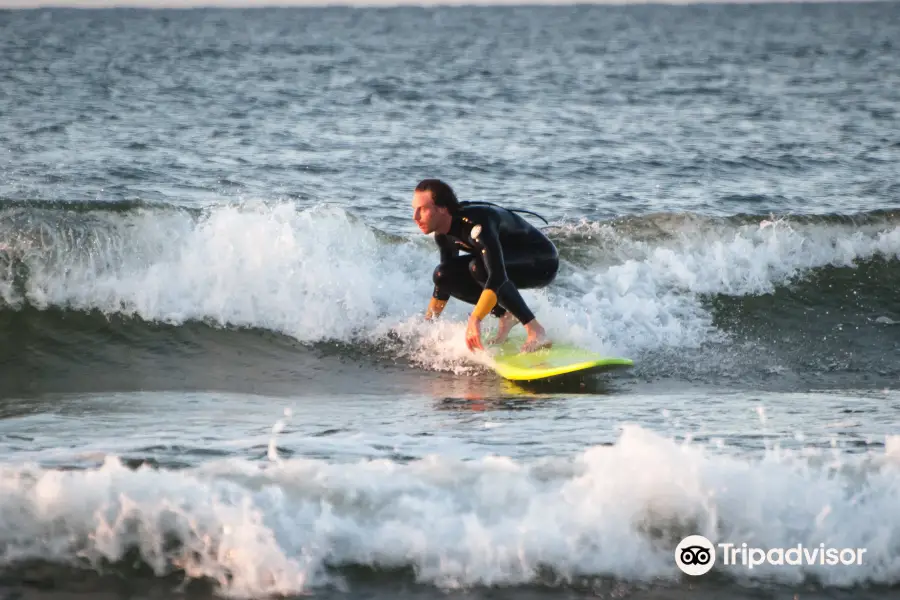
{"x": 556, "y": 361}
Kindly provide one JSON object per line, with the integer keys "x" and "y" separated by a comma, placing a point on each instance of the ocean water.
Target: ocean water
{"x": 215, "y": 378}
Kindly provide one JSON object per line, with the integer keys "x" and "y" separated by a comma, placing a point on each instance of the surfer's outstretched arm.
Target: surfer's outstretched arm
{"x": 498, "y": 288}
{"x": 440, "y": 297}
{"x": 435, "y": 308}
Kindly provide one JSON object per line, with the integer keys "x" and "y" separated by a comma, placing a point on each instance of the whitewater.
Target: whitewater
{"x": 215, "y": 376}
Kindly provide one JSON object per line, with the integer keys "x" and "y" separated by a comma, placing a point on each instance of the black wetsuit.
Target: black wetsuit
{"x": 507, "y": 253}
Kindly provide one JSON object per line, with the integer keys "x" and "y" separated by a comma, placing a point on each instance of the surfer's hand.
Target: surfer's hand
{"x": 473, "y": 334}
{"x": 435, "y": 307}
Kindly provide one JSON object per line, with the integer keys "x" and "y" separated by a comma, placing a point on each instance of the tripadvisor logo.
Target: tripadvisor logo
{"x": 696, "y": 555}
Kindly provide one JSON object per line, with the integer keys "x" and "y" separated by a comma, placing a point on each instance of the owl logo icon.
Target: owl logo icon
{"x": 695, "y": 555}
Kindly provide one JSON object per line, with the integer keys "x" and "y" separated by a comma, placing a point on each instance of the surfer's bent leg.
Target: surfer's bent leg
{"x": 523, "y": 271}
{"x": 454, "y": 278}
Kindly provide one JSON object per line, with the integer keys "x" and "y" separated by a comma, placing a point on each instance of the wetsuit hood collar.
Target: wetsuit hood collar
{"x": 456, "y": 226}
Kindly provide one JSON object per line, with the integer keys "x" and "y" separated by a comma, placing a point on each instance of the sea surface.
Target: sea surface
{"x": 215, "y": 377}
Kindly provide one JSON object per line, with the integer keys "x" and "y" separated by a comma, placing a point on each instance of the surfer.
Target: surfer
{"x": 505, "y": 254}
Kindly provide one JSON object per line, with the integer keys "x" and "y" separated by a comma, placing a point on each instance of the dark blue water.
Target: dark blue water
{"x": 213, "y": 364}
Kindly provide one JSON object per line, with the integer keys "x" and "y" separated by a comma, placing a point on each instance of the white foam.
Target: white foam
{"x": 314, "y": 274}
{"x": 619, "y": 511}
{"x": 653, "y": 297}
{"x": 322, "y": 274}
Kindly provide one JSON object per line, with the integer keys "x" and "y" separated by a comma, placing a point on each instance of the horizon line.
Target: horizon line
{"x": 251, "y": 4}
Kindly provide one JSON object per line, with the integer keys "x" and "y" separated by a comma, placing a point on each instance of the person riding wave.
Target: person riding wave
{"x": 505, "y": 253}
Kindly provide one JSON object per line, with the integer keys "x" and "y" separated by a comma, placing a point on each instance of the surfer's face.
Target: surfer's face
{"x": 428, "y": 216}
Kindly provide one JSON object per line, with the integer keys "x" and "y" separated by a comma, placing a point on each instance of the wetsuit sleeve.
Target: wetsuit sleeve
{"x": 447, "y": 247}
{"x": 439, "y": 298}
{"x": 488, "y": 241}
{"x": 492, "y": 256}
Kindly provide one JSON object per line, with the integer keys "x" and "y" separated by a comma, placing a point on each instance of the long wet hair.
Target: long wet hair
{"x": 442, "y": 193}
{"x": 444, "y": 196}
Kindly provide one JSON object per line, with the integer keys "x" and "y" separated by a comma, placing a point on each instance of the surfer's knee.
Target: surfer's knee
{"x": 477, "y": 270}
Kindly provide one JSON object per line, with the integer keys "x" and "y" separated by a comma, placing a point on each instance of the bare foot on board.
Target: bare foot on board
{"x": 537, "y": 337}
{"x": 507, "y": 322}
